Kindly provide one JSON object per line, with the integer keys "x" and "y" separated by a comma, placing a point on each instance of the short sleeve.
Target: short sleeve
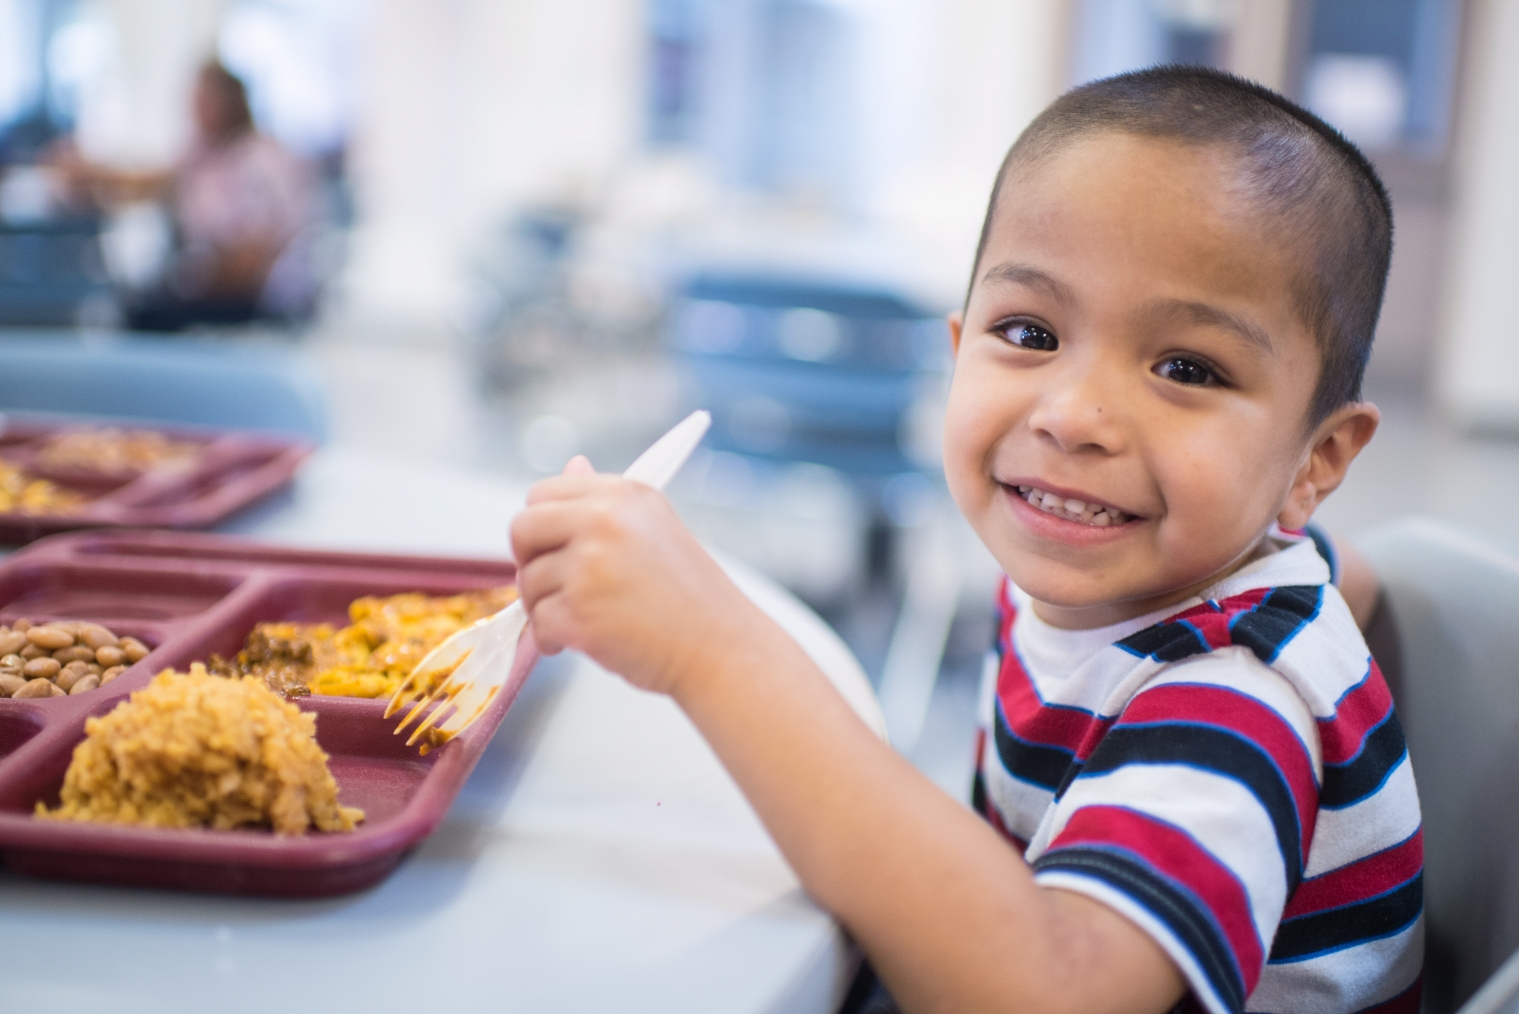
{"x": 1193, "y": 817}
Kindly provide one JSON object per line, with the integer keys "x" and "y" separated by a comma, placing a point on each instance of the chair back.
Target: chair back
{"x": 806, "y": 370}
{"x": 1449, "y": 644}
{"x": 50, "y": 271}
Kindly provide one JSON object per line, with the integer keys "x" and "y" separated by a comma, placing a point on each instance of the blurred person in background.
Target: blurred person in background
{"x": 238, "y": 200}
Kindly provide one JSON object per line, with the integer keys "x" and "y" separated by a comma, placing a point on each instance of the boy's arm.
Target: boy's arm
{"x": 950, "y": 915}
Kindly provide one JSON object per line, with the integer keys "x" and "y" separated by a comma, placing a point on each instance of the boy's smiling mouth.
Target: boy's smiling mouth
{"x": 1084, "y": 512}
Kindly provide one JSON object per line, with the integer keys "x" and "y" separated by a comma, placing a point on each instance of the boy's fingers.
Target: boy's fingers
{"x": 579, "y": 465}
{"x": 545, "y": 630}
{"x": 551, "y": 624}
{"x": 566, "y": 486}
{"x": 545, "y": 527}
{"x": 539, "y": 580}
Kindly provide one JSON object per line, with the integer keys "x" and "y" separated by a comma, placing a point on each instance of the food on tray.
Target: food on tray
{"x": 62, "y": 657}
{"x": 23, "y": 493}
{"x": 114, "y": 450}
{"x": 368, "y": 658}
{"x": 198, "y": 750}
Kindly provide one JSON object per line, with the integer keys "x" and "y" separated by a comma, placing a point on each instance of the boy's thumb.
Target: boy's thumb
{"x": 579, "y": 465}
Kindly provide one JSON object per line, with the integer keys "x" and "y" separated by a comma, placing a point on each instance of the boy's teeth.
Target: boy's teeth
{"x": 1072, "y": 509}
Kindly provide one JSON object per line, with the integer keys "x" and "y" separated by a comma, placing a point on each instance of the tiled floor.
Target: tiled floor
{"x": 424, "y": 399}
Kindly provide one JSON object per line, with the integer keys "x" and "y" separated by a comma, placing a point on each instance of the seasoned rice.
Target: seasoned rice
{"x": 198, "y": 750}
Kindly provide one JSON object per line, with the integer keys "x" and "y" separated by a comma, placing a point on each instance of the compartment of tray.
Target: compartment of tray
{"x": 37, "y": 588}
{"x": 312, "y": 599}
{"x": 374, "y": 769}
{"x": 230, "y": 465}
{"x": 17, "y": 727}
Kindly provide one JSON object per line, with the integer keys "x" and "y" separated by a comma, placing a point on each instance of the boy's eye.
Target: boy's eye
{"x": 1030, "y": 336}
{"x": 1185, "y": 371}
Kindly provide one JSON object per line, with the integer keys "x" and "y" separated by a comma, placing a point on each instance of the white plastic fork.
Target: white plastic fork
{"x": 478, "y": 659}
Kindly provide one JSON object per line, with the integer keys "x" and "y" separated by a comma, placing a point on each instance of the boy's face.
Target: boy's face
{"x": 1129, "y": 343}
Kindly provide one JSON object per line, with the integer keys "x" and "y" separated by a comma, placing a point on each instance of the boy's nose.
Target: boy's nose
{"x": 1078, "y": 414}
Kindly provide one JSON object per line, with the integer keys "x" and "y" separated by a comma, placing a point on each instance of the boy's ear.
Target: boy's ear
{"x": 1337, "y": 441}
{"x": 956, "y": 321}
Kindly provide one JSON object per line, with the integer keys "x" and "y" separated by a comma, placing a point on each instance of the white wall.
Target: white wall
{"x": 134, "y": 107}
{"x": 1478, "y": 382}
{"x": 467, "y": 108}
{"x": 984, "y": 69}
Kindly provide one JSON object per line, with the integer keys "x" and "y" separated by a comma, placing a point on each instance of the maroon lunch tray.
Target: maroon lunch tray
{"x": 234, "y": 468}
{"x": 187, "y": 596}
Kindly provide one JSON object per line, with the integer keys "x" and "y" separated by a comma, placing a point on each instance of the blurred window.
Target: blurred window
{"x": 1114, "y": 36}
{"x": 35, "y": 98}
{"x": 1383, "y": 71}
{"x": 20, "y": 58}
{"x": 298, "y": 59}
{"x": 674, "y": 48}
{"x": 764, "y": 88}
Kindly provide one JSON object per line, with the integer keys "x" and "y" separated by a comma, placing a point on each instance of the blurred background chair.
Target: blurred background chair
{"x": 51, "y": 272}
{"x": 1450, "y": 643}
{"x": 209, "y": 384}
{"x": 811, "y": 371}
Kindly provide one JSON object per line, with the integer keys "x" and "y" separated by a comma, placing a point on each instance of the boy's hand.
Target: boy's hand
{"x": 607, "y": 568}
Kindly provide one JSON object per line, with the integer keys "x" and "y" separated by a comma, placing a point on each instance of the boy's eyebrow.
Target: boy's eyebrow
{"x": 1206, "y": 314}
{"x": 1032, "y": 278}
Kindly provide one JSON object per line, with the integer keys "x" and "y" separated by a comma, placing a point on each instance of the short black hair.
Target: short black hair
{"x": 1314, "y": 181}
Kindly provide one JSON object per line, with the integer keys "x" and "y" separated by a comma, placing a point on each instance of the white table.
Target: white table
{"x": 598, "y": 859}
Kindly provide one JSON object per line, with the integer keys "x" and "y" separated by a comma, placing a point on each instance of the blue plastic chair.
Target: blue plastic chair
{"x": 50, "y": 271}
{"x": 163, "y": 380}
{"x": 801, "y": 370}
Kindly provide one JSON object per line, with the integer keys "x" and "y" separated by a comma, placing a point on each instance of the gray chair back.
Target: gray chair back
{"x": 1448, "y": 641}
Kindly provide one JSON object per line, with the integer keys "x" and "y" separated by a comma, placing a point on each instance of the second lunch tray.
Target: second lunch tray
{"x": 230, "y": 470}
{"x": 187, "y": 596}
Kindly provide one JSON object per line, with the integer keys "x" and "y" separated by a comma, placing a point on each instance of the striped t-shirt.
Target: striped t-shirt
{"x": 1229, "y": 775}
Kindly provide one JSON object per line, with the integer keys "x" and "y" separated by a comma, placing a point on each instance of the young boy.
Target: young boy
{"x": 1194, "y": 787}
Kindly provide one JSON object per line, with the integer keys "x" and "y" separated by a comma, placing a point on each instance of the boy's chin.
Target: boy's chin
{"x": 1082, "y": 600}
{"x": 1078, "y": 593}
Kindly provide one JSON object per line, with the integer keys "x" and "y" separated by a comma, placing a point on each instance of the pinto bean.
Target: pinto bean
{"x": 134, "y": 649}
{"x": 71, "y": 674}
{"x": 22, "y": 625}
{"x": 11, "y": 641}
{"x": 95, "y": 636}
{"x": 35, "y": 688}
{"x": 74, "y": 653}
{"x": 31, "y": 651}
{"x": 85, "y": 685}
{"x": 10, "y": 683}
{"x": 50, "y": 637}
{"x": 42, "y": 668}
{"x": 111, "y": 673}
{"x": 110, "y": 655}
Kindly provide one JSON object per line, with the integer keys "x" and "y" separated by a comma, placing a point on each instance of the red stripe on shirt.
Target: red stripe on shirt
{"x": 1248, "y": 718}
{"x": 1359, "y": 711}
{"x": 1212, "y": 619}
{"x": 1365, "y": 878}
{"x": 1175, "y": 855}
{"x": 1033, "y": 721}
{"x": 1008, "y": 612}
